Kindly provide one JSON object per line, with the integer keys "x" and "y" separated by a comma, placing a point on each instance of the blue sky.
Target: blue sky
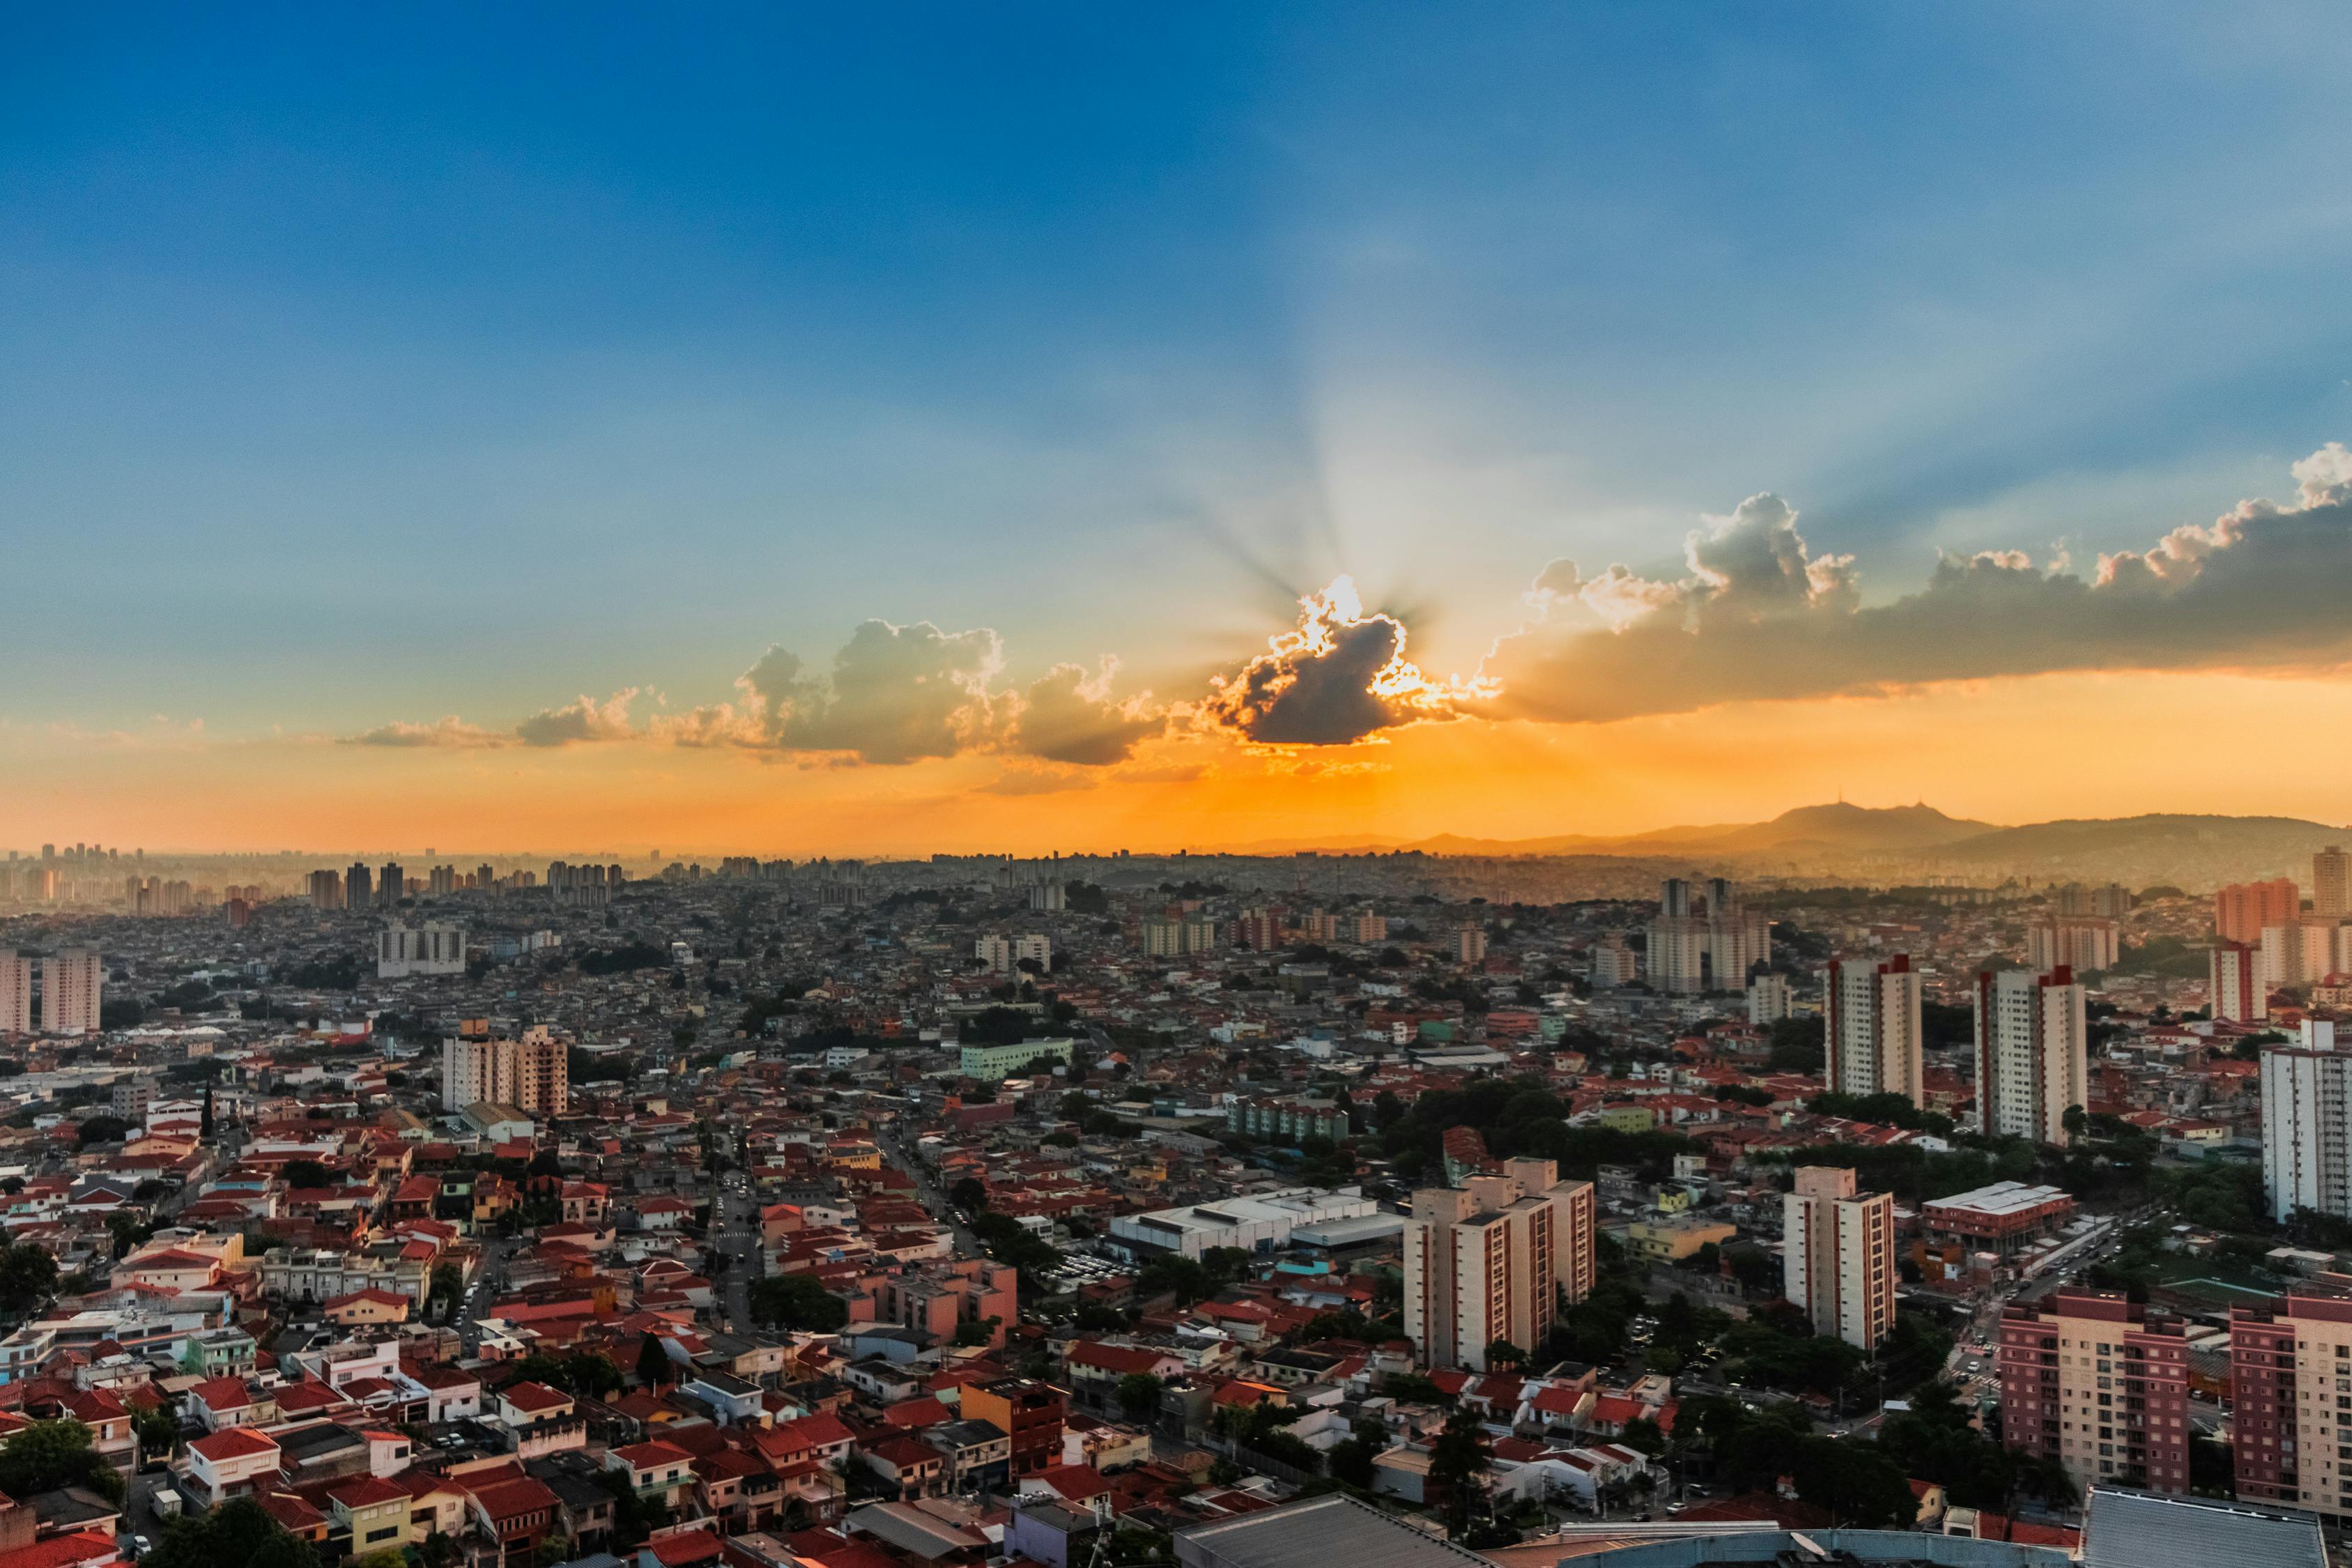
{"x": 370, "y": 365}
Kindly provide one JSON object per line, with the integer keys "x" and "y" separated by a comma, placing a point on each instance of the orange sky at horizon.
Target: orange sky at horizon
{"x": 2007, "y": 750}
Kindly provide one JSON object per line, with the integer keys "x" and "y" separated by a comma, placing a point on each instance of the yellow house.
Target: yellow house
{"x": 367, "y": 1306}
{"x": 1662, "y": 1241}
{"x": 374, "y": 1510}
{"x": 1627, "y": 1117}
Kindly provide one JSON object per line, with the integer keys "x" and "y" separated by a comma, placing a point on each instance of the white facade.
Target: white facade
{"x": 1769, "y": 1000}
{"x": 2307, "y": 1138}
{"x": 1610, "y": 963}
{"x": 72, "y": 984}
{"x": 2031, "y": 1046}
{"x": 1837, "y": 1258}
{"x": 2084, "y": 945}
{"x": 2235, "y": 983}
{"x": 434, "y": 947}
{"x": 2302, "y": 952}
{"x": 1265, "y": 1219}
{"x": 1871, "y": 1031}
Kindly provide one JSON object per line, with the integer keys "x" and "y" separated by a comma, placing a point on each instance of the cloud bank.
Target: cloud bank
{"x": 1755, "y": 616}
{"x": 1760, "y": 617}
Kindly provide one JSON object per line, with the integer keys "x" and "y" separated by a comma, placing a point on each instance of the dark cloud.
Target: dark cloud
{"x": 1340, "y": 676}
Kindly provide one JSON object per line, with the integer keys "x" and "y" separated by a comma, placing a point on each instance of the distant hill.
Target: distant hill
{"x": 2196, "y": 851}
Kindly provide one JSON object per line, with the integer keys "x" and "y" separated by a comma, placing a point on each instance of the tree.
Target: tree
{"x": 970, "y": 1194}
{"x": 1501, "y": 1354}
{"x": 1641, "y": 1433}
{"x": 237, "y": 1534}
{"x": 654, "y": 1366}
{"x": 1173, "y": 1273}
{"x": 797, "y": 1301}
{"x": 1860, "y": 1486}
{"x": 1458, "y": 1454}
{"x": 102, "y": 1129}
{"x": 306, "y": 1173}
{"x": 51, "y": 1454}
{"x": 157, "y": 1430}
{"x": 1138, "y": 1396}
{"x": 28, "y": 1276}
{"x": 591, "y": 1373}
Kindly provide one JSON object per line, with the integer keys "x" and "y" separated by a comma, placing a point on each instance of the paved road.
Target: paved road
{"x": 489, "y": 1280}
{"x": 738, "y": 1241}
{"x": 936, "y": 1201}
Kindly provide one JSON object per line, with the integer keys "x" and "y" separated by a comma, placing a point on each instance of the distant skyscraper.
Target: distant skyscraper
{"x": 1470, "y": 944}
{"x": 326, "y": 890}
{"x": 1870, "y": 1032}
{"x": 2236, "y": 987}
{"x": 2031, "y": 1052}
{"x": 441, "y": 881}
{"x": 16, "y": 993}
{"x": 434, "y": 947}
{"x": 1714, "y": 951}
{"x": 1837, "y": 1254}
{"x": 71, "y": 986}
{"x": 2331, "y": 883}
{"x": 2082, "y": 944}
{"x": 2241, "y": 910}
{"x": 358, "y": 885}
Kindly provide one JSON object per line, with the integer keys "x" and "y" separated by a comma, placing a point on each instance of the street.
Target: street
{"x": 736, "y": 1237}
{"x": 967, "y": 1243}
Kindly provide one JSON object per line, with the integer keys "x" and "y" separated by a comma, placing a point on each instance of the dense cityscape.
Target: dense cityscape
{"x": 1055, "y": 1209}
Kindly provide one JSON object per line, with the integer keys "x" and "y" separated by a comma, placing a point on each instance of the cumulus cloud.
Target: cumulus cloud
{"x": 1760, "y": 617}
{"x": 895, "y": 694}
{"x": 583, "y": 718}
{"x": 1339, "y": 676}
{"x": 447, "y": 731}
{"x": 1070, "y": 716}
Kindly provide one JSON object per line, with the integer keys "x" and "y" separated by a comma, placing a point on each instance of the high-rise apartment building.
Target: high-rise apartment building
{"x": 326, "y": 890}
{"x": 2235, "y": 986}
{"x": 531, "y": 1074}
{"x": 1173, "y": 935}
{"x": 2031, "y": 1049}
{"x": 2290, "y": 1370}
{"x": 391, "y": 885}
{"x": 2307, "y": 1138}
{"x": 434, "y": 947}
{"x": 2241, "y": 910}
{"x": 15, "y": 993}
{"x": 2081, "y": 944}
{"x": 72, "y": 987}
{"x": 358, "y": 886}
{"x": 2100, "y": 1385}
{"x": 1488, "y": 1262}
{"x": 2331, "y": 884}
{"x": 1769, "y": 1000}
{"x": 1260, "y": 931}
{"x": 1706, "y": 942}
{"x": 1837, "y": 1258}
{"x": 1470, "y": 944}
{"x": 1870, "y": 1030}
{"x": 441, "y": 881}
{"x": 2301, "y": 951}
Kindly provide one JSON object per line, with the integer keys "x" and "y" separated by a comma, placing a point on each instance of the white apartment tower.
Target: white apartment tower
{"x": 1768, "y": 1000}
{"x": 531, "y": 1074}
{"x": 1488, "y": 1262}
{"x": 434, "y": 947}
{"x": 1872, "y": 1031}
{"x": 15, "y": 993}
{"x": 2307, "y": 1140}
{"x": 2235, "y": 984}
{"x": 2031, "y": 1046}
{"x": 72, "y": 984}
{"x": 1838, "y": 1255}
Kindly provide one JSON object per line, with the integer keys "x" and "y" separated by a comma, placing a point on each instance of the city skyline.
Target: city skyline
{"x": 1068, "y": 432}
